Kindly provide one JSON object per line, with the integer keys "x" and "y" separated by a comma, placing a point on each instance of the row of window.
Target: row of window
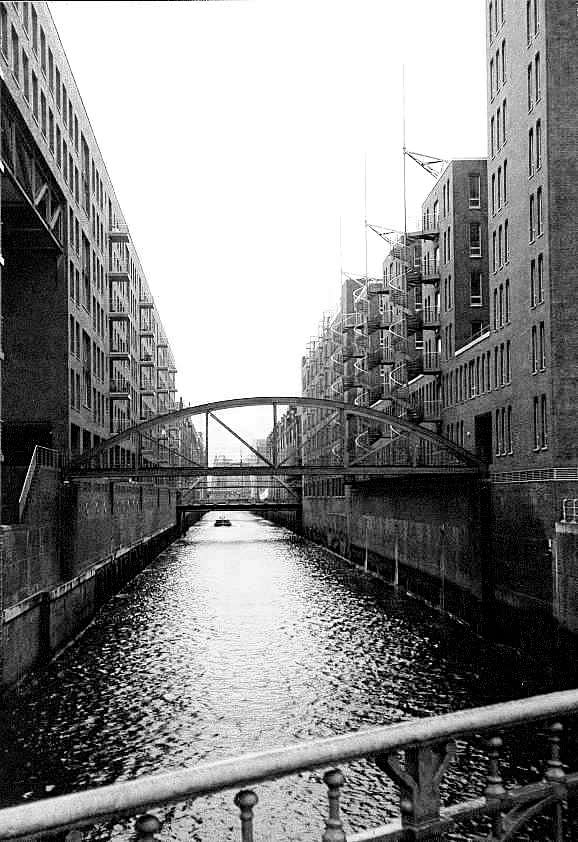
{"x": 536, "y": 218}
{"x": 474, "y": 201}
{"x": 498, "y": 70}
{"x": 499, "y": 189}
{"x": 540, "y": 416}
{"x": 502, "y": 305}
{"x": 478, "y": 376}
{"x": 538, "y": 348}
{"x": 534, "y": 82}
{"x": 532, "y": 20}
{"x": 499, "y": 128}
{"x": 496, "y": 16}
{"x": 84, "y": 394}
{"x": 500, "y": 247}
{"x": 537, "y": 281}
{"x": 535, "y": 149}
{"x": 503, "y": 431}
{"x": 92, "y": 357}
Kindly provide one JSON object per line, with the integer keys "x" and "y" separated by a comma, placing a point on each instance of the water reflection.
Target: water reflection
{"x": 237, "y": 639}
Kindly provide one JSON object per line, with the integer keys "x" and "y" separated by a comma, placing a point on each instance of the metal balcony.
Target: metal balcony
{"x": 120, "y": 352}
{"x": 430, "y": 274}
{"x": 119, "y": 234}
{"x": 381, "y": 356}
{"x": 119, "y": 387}
{"x": 118, "y": 310}
{"x": 430, "y": 233}
{"x": 352, "y": 350}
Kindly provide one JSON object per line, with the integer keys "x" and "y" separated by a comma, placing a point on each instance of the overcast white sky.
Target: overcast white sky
{"x": 235, "y": 134}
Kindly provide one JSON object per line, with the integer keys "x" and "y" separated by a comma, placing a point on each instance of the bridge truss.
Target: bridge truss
{"x": 310, "y": 438}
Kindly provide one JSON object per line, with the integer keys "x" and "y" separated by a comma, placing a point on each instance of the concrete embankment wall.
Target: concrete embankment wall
{"x": 494, "y": 555}
{"x": 425, "y": 536}
{"x": 78, "y": 545}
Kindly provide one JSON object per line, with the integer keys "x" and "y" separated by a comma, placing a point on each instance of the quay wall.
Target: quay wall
{"x": 78, "y": 545}
{"x": 426, "y": 538}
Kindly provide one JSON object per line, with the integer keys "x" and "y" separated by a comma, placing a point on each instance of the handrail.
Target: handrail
{"x": 42, "y": 457}
{"x": 130, "y": 797}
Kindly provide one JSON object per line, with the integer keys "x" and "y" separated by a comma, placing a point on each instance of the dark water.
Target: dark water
{"x": 238, "y": 639}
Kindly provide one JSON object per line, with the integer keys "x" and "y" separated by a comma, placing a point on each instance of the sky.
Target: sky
{"x": 237, "y": 134}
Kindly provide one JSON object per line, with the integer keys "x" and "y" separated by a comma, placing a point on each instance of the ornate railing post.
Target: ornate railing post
{"x": 495, "y": 790}
{"x": 146, "y": 827}
{"x": 555, "y": 775}
{"x": 334, "y": 780}
{"x": 246, "y": 800}
{"x": 419, "y": 783}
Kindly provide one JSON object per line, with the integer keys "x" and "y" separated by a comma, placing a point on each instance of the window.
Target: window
{"x": 504, "y": 121}
{"x": 501, "y": 304}
{"x": 475, "y": 192}
{"x": 532, "y": 218}
{"x": 497, "y": 70}
{"x": 539, "y": 212}
{"x": 475, "y": 235}
{"x": 15, "y": 55}
{"x": 498, "y": 437}
{"x": 530, "y": 88}
{"x": 57, "y": 88}
{"x": 507, "y": 301}
{"x": 528, "y": 21}
{"x": 542, "y": 359}
{"x": 58, "y": 147}
{"x": 51, "y": 130}
{"x": 509, "y": 430}
{"x": 64, "y": 106}
{"x": 498, "y": 127}
{"x": 495, "y": 309}
{"x": 70, "y": 120}
{"x": 492, "y": 136}
{"x": 499, "y": 198}
{"x": 500, "y": 246}
{"x": 540, "y": 278}
{"x": 492, "y": 78}
{"x": 533, "y": 283}
{"x": 536, "y": 18}
{"x": 505, "y": 182}
{"x": 506, "y": 242}
{"x": 538, "y": 144}
{"x": 64, "y": 160}
{"x": 76, "y": 132}
{"x": 25, "y": 17}
{"x": 537, "y": 75}
{"x": 43, "y": 113}
{"x": 494, "y": 252}
{"x": 477, "y": 327}
{"x": 50, "y": 71}
{"x": 531, "y": 153}
{"x": 493, "y": 193}
{"x": 42, "y": 51}
{"x": 476, "y": 288}
{"x": 4, "y": 29}
{"x": 491, "y": 19}
{"x": 543, "y": 423}
{"x": 503, "y": 61}
{"x": 25, "y": 76}
{"x": 35, "y": 96}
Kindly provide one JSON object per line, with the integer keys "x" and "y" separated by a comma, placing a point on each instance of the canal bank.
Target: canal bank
{"x": 76, "y": 546}
{"x": 446, "y": 544}
{"x": 241, "y": 639}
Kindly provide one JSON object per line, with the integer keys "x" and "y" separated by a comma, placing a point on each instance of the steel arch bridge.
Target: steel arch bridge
{"x": 330, "y": 439}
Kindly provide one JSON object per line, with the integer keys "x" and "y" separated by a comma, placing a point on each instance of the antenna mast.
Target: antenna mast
{"x": 365, "y": 207}
{"x": 404, "y": 156}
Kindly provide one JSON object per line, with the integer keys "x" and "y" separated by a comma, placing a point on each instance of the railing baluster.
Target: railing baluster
{"x": 246, "y": 800}
{"x": 146, "y": 827}
{"x": 334, "y": 780}
{"x": 495, "y": 789}
{"x": 556, "y": 776}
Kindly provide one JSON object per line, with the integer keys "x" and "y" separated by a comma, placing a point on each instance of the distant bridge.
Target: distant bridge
{"x": 237, "y": 506}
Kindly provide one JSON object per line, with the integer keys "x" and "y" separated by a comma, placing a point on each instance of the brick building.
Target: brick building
{"x": 85, "y": 352}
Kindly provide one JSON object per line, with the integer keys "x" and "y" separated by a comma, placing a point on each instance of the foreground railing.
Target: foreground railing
{"x": 414, "y": 754}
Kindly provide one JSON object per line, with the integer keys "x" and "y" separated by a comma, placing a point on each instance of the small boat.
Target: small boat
{"x": 222, "y": 521}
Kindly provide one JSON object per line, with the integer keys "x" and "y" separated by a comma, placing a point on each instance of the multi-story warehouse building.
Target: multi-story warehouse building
{"x": 475, "y": 330}
{"x": 85, "y": 353}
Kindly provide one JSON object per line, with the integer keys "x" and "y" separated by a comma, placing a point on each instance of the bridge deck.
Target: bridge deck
{"x": 379, "y": 471}
{"x": 237, "y": 507}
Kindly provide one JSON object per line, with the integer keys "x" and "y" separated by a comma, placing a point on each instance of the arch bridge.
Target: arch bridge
{"x": 310, "y": 439}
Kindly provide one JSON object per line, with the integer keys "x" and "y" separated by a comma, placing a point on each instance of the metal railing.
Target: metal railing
{"x": 42, "y": 457}
{"x": 570, "y": 510}
{"x": 428, "y": 747}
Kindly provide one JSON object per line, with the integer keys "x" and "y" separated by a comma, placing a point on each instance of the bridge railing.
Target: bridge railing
{"x": 414, "y": 754}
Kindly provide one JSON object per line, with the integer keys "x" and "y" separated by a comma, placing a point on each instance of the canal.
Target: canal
{"x": 238, "y": 639}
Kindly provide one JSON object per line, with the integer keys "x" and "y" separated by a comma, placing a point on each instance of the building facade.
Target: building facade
{"x": 85, "y": 352}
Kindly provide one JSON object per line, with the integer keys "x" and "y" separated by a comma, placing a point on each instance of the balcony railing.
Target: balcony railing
{"x": 119, "y": 233}
{"x": 119, "y": 385}
{"x": 428, "y": 746}
{"x": 118, "y": 308}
